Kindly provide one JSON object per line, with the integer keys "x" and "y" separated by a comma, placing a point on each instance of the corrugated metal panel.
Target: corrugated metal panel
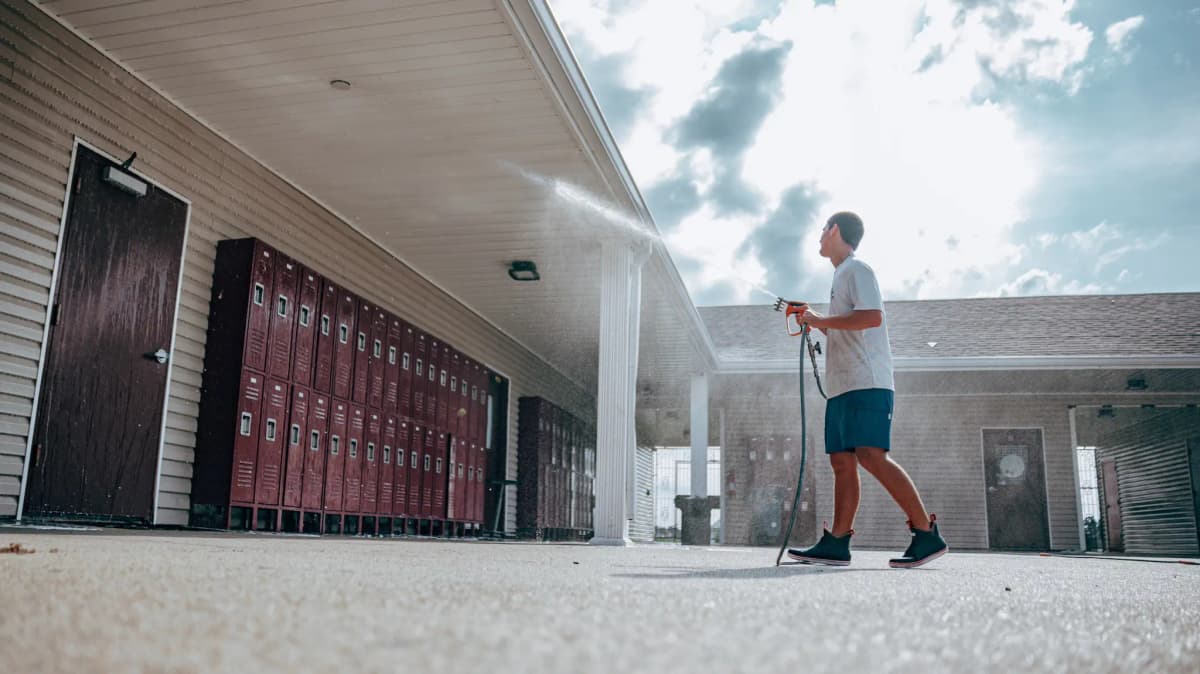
{"x": 53, "y": 87}
{"x": 1154, "y": 480}
{"x": 641, "y": 529}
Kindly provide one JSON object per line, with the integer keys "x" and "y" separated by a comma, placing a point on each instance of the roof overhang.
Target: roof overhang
{"x": 462, "y": 118}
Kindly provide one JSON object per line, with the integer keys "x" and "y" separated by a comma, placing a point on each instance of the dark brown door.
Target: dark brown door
{"x": 1112, "y": 506}
{"x": 95, "y": 448}
{"x": 1193, "y": 447}
{"x": 1016, "y": 489}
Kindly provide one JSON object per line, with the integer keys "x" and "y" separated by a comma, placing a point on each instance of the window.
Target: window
{"x": 282, "y": 306}
{"x": 391, "y": 355}
{"x": 343, "y": 333}
{"x": 387, "y": 454}
{"x": 370, "y": 451}
{"x": 305, "y": 315}
{"x": 377, "y": 351}
{"x": 353, "y": 448}
{"x": 404, "y": 361}
{"x": 314, "y": 440}
{"x": 335, "y": 443}
{"x": 271, "y": 429}
{"x": 259, "y": 293}
{"x": 295, "y": 439}
{"x": 247, "y": 419}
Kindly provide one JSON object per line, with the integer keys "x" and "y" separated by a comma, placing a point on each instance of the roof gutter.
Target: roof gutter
{"x": 989, "y": 363}
{"x": 611, "y": 160}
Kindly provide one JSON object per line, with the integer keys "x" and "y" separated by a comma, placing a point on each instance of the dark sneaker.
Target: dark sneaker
{"x": 830, "y": 550}
{"x": 925, "y": 547}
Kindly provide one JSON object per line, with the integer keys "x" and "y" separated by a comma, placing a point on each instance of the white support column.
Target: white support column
{"x": 620, "y": 305}
{"x": 699, "y": 430}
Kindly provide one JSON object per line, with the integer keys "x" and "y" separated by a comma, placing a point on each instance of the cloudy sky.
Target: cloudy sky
{"x": 1019, "y": 147}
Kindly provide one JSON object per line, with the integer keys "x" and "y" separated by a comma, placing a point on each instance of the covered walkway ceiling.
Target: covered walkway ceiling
{"x": 459, "y": 116}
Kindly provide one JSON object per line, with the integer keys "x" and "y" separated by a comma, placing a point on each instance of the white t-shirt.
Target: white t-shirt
{"x": 856, "y": 359}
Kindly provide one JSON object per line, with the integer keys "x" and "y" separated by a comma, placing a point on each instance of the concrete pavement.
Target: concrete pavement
{"x": 112, "y": 601}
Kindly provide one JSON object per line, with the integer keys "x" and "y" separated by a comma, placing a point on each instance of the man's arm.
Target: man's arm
{"x": 860, "y": 319}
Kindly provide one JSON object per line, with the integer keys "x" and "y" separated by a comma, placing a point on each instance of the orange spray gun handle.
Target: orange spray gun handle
{"x": 796, "y": 309}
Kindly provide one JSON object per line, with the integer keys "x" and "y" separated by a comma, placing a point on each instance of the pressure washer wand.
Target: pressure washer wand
{"x": 813, "y": 348}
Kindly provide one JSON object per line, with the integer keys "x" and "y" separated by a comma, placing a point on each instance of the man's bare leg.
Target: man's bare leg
{"x": 896, "y": 481}
{"x": 846, "y": 490}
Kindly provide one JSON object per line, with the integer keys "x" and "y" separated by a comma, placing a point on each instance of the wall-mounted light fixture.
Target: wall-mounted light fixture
{"x": 523, "y": 270}
{"x": 1136, "y": 383}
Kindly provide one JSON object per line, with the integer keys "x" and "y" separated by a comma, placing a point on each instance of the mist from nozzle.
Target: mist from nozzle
{"x": 580, "y": 199}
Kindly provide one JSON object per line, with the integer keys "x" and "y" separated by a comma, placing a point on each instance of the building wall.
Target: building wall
{"x": 935, "y": 437}
{"x": 54, "y": 87}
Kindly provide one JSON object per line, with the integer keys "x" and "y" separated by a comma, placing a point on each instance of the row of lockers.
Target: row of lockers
{"x": 556, "y": 459}
{"x": 275, "y": 433}
{"x": 296, "y": 449}
{"x": 283, "y": 319}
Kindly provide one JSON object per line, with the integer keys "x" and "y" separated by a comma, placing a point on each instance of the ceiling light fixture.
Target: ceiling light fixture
{"x": 523, "y": 270}
{"x": 340, "y": 85}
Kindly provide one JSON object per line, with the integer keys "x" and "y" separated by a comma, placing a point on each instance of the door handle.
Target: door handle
{"x": 160, "y": 356}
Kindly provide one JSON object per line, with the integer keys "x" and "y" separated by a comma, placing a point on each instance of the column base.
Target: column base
{"x": 697, "y": 518}
{"x": 610, "y": 542}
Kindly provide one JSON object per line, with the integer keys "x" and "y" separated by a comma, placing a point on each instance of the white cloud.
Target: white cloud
{"x": 883, "y": 107}
{"x": 1117, "y": 36}
{"x": 1042, "y": 282}
{"x": 1107, "y": 243}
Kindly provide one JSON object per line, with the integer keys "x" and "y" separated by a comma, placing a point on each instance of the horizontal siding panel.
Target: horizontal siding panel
{"x": 172, "y": 517}
{"x": 15, "y": 385}
{"x": 9, "y": 485}
{"x": 12, "y": 287}
{"x": 8, "y": 506}
{"x": 33, "y": 314}
{"x": 177, "y": 469}
{"x": 14, "y": 268}
{"x": 11, "y": 465}
{"x": 178, "y": 453}
{"x": 172, "y": 501}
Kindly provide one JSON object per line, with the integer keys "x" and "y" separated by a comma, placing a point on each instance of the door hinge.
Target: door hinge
{"x": 54, "y": 315}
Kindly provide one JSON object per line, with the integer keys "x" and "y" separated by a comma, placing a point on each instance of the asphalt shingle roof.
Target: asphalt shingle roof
{"x": 1074, "y": 325}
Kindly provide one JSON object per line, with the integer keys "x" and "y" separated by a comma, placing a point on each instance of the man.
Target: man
{"x": 858, "y": 415}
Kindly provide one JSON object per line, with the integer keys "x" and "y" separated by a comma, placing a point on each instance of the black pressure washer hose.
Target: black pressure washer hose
{"x": 813, "y": 349}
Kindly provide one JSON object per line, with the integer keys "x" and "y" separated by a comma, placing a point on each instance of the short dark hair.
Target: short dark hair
{"x": 850, "y": 225}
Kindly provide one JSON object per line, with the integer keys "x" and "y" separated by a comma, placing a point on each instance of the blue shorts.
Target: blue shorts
{"x": 860, "y": 418}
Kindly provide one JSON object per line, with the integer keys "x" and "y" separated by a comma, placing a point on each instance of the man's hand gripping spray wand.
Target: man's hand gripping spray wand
{"x": 797, "y": 310}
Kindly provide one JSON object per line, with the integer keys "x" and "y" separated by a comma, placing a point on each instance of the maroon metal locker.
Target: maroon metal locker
{"x": 452, "y": 400}
{"x": 443, "y": 386}
{"x": 258, "y": 310}
{"x": 480, "y": 482}
{"x": 271, "y": 442}
{"x": 362, "y": 351}
{"x": 432, "y": 392}
{"x": 441, "y": 455}
{"x": 343, "y": 347}
{"x": 404, "y": 398}
{"x": 335, "y": 460}
{"x": 419, "y": 383}
{"x": 461, "y": 398}
{"x": 371, "y": 461}
{"x": 297, "y": 444}
{"x": 454, "y": 501}
{"x": 308, "y": 297}
{"x": 429, "y": 447}
{"x": 482, "y": 407}
{"x": 245, "y": 444}
{"x": 400, "y": 494}
{"x": 461, "y": 449}
{"x": 377, "y": 363}
{"x": 314, "y": 456}
{"x": 352, "y": 491}
{"x": 393, "y": 351}
{"x": 468, "y": 458}
{"x": 326, "y": 338}
{"x": 416, "y": 458}
{"x": 283, "y": 317}
{"x": 387, "y": 467}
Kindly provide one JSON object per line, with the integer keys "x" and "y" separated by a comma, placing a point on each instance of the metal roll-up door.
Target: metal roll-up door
{"x": 1154, "y": 480}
